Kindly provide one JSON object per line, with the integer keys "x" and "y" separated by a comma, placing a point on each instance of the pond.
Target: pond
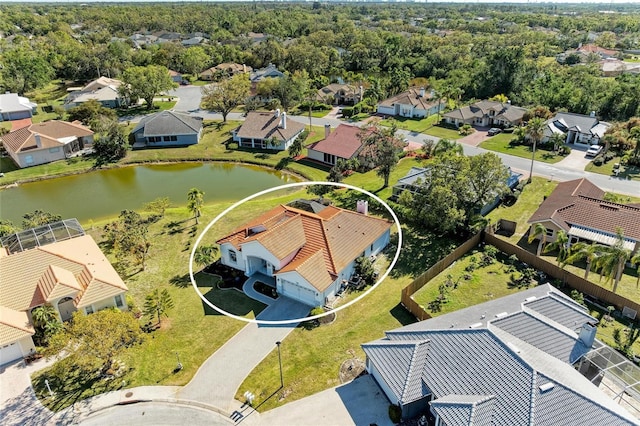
{"x": 104, "y": 193}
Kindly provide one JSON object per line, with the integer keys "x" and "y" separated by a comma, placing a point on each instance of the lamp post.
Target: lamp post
{"x": 278, "y": 343}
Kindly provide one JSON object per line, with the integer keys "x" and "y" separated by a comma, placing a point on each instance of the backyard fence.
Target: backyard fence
{"x": 406, "y": 299}
{"x": 571, "y": 280}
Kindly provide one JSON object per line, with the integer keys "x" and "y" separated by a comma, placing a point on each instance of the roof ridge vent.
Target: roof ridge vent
{"x": 476, "y": 325}
{"x": 607, "y": 206}
{"x": 501, "y": 314}
{"x": 513, "y": 347}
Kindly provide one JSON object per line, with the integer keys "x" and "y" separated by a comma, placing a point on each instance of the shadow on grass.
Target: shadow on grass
{"x": 421, "y": 249}
{"x": 314, "y": 165}
{"x": 180, "y": 281}
{"x": 403, "y": 316}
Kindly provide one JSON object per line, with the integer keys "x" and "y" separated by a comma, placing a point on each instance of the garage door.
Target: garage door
{"x": 295, "y": 291}
{"x": 10, "y": 353}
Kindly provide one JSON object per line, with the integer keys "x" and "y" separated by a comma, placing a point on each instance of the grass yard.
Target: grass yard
{"x": 484, "y": 284}
{"x": 311, "y": 359}
{"x": 212, "y": 147}
{"x": 158, "y": 106}
{"x": 411, "y": 124}
{"x": 193, "y": 329}
{"x": 626, "y": 172}
{"x": 500, "y": 143}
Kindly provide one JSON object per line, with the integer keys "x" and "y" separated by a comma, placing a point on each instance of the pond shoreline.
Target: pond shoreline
{"x": 150, "y": 163}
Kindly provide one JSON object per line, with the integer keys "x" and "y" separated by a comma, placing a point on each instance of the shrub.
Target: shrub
{"x": 347, "y": 112}
{"x": 564, "y": 150}
{"x": 318, "y": 310}
{"x": 609, "y": 156}
{"x": 598, "y": 161}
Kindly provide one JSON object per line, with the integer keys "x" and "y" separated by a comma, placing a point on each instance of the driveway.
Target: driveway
{"x": 360, "y": 402}
{"x": 218, "y": 379}
{"x": 576, "y": 160}
{"x": 189, "y": 98}
{"x": 17, "y": 398}
{"x": 476, "y": 138}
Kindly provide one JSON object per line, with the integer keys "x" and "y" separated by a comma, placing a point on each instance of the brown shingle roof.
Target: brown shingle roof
{"x": 579, "y": 202}
{"x": 14, "y": 325}
{"x": 344, "y": 142}
{"x": 265, "y": 125}
{"x": 32, "y": 277}
{"x": 50, "y": 131}
{"x": 333, "y": 238}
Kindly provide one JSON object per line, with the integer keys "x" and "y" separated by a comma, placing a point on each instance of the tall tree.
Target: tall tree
{"x": 7, "y": 228}
{"x": 613, "y": 259}
{"x": 111, "y": 145}
{"x": 381, "y": 147}
{"x": 539, "y": 232}
{"x": 46, "y": 323}
{"x": 195, "y": 200}
{"x": 95, "y": 341}
{"x": 158, "y": 304}
{"x": 158, "y": 206}
{"x": 145, "y": 83}
{"x": 205, "y": 255}
{"x": 24, "y": 69}
{"x": 193, "y": 60}
{"x": 635, "y": 260}
{"x": 128, "y": 237}
{"x": 561, "y": 244}
{"x": 39, "y": 218}
{"x": 446, "y": 145}
{"x": 535, "y": 131}
{"x": 90, "y": 113}
{"x": 587, "y": 251}
{"x": 226, "y": 95}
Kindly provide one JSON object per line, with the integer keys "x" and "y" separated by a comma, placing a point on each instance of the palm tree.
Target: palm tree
{"x": 589, "y": 252}
{"x": 205, "y": 255}
{"x": 613, "y": 259}
{"x": 562, "y": 245}
{"x": 557, "y": 139}
{"x": 538, "y": 231}
{"x": 635, "y": 260}
{"x": 446, "y": 145}
{"x": 195, "y": 199}
{"x": 535, "y": 131}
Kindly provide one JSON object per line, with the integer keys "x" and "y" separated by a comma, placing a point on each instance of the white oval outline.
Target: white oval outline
{"x": 309, "y": 318}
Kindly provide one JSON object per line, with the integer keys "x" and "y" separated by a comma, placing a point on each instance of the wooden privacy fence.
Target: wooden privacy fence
{"x": 406, "y": 299}
{"x": 571, "y": 280}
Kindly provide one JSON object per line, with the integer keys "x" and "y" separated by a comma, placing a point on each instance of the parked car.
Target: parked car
{"x": 594, "y": 150}
{"x": 494, "y": 131}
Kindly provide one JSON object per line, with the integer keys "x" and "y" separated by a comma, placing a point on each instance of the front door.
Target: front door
{"x": 66, "y": 308}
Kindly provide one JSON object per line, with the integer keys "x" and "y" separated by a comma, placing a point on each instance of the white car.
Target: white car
{"x": 594, "y": 150}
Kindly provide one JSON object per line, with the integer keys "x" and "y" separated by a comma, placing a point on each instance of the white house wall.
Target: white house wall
{"x": 388, "y": 110}
{"x": 371, "y": 368}
{"x": 315, "y": 155}
{"x": 287, "y": 284}
{"x": 40, "y": 156}
{"x": 225, "y": 257}
{"x": 24, "y": 346}
{"x": 255, "y": 249}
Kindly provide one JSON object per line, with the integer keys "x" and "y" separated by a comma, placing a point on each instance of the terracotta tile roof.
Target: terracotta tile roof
{"x": 333, "y": 238}
{"x": 343, "y": 142}
{"x": 50, "y": 132}
{"x": 75, "y": 268}
{"x": 14, "y": 325}
{"x": 101, "y": 82}
{"x": 265, "y": 125}
{"x": 412, "y": 97}
{"x": 282, "y": 239}
{"x": 579, "y": 202}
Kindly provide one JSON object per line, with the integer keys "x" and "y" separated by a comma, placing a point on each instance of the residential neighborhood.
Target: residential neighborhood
{"x": 320, "y": 214}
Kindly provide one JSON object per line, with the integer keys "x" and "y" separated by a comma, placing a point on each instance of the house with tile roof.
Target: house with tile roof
{"x": 103, "y": 89}
{"x": 577, "y": 207}
{"x": 41, "y": 143}
{"x": 339, "y": 94}
{"x": 486, "y": 114}
{"x": 577, "y": 128}
{"x": 509, "y": 361}
{"x": 70, "y": 275}
{"x": 14, "y": 107}
{"x": 412, "y": 103}
{"x": 267, "y": 130}
{"x": 343, "y": 143}
{"x": 167, "y": 128}
{"x": 306, "y": 248}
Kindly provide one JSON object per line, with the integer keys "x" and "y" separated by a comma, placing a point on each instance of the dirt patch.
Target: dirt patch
{"x": 351, "y": 368}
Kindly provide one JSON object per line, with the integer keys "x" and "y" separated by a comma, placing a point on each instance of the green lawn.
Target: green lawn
{"x": 193, "y": 330}
{"x": 500, "y": 143}
{"x": 626, "y": 172}
{"x": 443, "y": 133}
{"x": 142, "y": 109}
{"x": 411, "y": 124}
{"x": 211, "y": 148}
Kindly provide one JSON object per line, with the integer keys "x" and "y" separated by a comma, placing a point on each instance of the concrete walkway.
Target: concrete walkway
{"x": 248, "y": 289}
{"x": 218, "y": 379}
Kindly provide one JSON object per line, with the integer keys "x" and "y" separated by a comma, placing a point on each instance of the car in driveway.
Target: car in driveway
{"x": 594, "y": 150}
{"x": 494, "y": 131}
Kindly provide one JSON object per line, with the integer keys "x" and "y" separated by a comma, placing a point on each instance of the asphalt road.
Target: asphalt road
{"x": 156, "y": 414}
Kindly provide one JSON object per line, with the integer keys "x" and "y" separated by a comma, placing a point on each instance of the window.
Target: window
{"x": 232, "y": 256}
{"x": 174, "y": 138}
{"x": 119, "y": 301}
{"x": 549, "y": 232}
{"x": 167, "y": 138}
{"x": 28, "y": 159}
{"x": 89, "y": 309}
{"x": 155, "y": 139}
{"x": 55, "y": 149}
{"x": 329, "y": 158}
